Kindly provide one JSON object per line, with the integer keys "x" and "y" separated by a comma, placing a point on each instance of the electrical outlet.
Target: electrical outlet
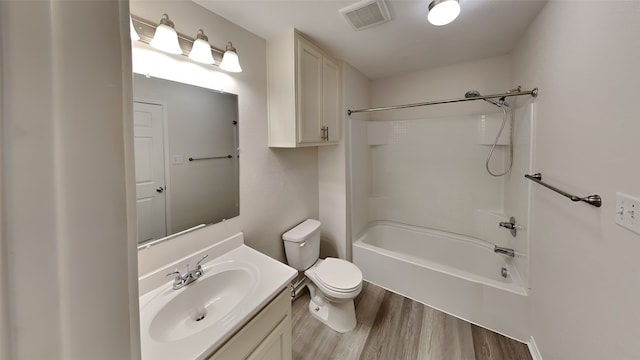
{"x": 628, "y": 212}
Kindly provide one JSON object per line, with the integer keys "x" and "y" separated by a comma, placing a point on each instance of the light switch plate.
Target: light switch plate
{"x": 177, "y": 159}
{"x": 628, "y": 212}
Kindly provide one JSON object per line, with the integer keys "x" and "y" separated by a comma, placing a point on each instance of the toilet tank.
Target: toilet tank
{"x": 302, "y": 244}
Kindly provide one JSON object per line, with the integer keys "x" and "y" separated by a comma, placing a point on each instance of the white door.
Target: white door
{"x": 149, "y": 158}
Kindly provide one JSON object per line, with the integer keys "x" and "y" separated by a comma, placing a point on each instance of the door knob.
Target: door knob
{"x": 160, "y": 189}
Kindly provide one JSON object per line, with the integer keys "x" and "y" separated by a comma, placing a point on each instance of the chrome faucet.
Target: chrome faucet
{"x": 504, "y": 251}
{"x": 180, "y": 281}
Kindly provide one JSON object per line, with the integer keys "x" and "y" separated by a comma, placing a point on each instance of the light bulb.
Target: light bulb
{"x": 201, "y": 50}
{"x": 230, "y": 61}
{"x": 166, "y": 38}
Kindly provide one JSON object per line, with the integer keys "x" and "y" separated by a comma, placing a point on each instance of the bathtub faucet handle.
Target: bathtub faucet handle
{"x": 511, "y": 225}
{"x": 507, "y": 225}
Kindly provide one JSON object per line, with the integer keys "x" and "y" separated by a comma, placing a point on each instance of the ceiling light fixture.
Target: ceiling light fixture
{"x": 132, "y": 29}
{"x": 201, "y": 50}
{"x": 442, "y": 12}
{"x": 166, "y": 38}
{"x": 230, "y": 61}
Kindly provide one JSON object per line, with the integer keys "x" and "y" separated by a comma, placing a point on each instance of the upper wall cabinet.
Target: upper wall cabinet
{"x": 304, "y": 93}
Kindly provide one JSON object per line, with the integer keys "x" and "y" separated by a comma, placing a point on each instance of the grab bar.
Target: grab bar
{"x": 594, "y": 200}
{"x": 211, "y": 157}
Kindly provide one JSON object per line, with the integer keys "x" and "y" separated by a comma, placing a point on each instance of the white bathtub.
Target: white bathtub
{"x": 452, "y": 273}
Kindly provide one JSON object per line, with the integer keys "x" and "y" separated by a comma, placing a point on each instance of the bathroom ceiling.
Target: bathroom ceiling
{"x": 408, "y": 42}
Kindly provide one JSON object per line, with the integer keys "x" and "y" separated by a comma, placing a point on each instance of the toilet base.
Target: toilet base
{"x": 339, "y": 316}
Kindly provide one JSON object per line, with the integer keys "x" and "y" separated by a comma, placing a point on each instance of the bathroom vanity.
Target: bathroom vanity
{"x": 239, "y": 307}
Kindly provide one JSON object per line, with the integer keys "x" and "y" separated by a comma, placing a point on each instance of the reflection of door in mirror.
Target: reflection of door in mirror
{"x": 149, "y": 159}
{"x": 191, "y": 133}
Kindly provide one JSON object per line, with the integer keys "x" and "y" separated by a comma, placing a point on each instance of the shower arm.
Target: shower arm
{"x": 533, "y": 93}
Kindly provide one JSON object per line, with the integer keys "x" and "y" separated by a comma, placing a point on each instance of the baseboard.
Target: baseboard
{"x": 533, "y": 349}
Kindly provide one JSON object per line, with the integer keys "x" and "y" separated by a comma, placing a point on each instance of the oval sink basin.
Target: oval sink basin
{"x": 193, "y": 322}
{"x": 215, "y": 298}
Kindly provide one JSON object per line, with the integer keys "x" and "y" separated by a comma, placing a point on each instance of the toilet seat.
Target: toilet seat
{"x": 338, "y": 278}
{"x": 339, "y": 275}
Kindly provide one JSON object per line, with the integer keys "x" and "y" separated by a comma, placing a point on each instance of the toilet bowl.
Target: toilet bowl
{"x": 333, "y": 283}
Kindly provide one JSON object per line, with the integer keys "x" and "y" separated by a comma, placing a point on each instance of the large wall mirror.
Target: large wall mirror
{"x": 186, "y": 157}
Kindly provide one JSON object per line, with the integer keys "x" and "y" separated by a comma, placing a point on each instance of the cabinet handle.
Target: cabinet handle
{"x": 324, "y": 133}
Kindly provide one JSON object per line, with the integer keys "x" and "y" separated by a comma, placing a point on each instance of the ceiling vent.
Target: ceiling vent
{"x": 366, "y": 13}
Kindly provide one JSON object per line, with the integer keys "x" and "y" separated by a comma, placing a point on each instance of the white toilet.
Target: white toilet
{"x": 333, "y": 283}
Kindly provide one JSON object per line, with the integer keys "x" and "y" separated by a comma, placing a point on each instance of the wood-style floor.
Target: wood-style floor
{"x": 392, "y": 327}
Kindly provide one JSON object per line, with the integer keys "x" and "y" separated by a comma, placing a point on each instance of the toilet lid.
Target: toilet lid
{"x": 339, "y": 274}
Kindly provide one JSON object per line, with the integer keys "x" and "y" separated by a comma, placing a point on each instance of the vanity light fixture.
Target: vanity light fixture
{"x": 166, "y": 37}
{"x": 152, "y": 34}
{"x": 230, "y": 61}
{"x": 442, "y": 12}
{"x": 201, "y": 50}
{"x": 134, "y": 34}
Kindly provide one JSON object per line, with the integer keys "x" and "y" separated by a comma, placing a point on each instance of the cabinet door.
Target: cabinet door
{"x": 267, "y": 336}
{"x": 331, "y": 112}
{"x": 277, "y": 345}
{"x": 309, "y": 93}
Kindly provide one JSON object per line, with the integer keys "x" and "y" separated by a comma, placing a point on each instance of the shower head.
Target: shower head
{"x": 472, "y": 94}
{"x": 475, "y": 93}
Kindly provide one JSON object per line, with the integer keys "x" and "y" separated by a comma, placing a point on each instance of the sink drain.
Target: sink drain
{"x": 200, "y": 316}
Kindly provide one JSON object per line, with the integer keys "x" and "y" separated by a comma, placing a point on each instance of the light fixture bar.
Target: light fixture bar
{"x": 146, "y": 29}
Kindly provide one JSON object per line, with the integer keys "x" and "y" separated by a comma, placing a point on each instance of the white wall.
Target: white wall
{"x": 584, "y": 57}
{"x": 67, "y": 244}
{"x": 4, "y": 315}
{"x": 278, "y": 187}
{"x": 334, "y": 170}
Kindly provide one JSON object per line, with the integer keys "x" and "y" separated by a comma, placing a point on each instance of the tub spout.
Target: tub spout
{"x": 504, "y": 251}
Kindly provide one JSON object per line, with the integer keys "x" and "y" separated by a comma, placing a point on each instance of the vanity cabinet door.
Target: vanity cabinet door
{"x": 277, "y": 345}
{"x": 266, "y": 337}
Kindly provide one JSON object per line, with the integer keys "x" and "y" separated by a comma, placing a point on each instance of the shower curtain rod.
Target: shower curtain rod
{"x": 533, "y": 93}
